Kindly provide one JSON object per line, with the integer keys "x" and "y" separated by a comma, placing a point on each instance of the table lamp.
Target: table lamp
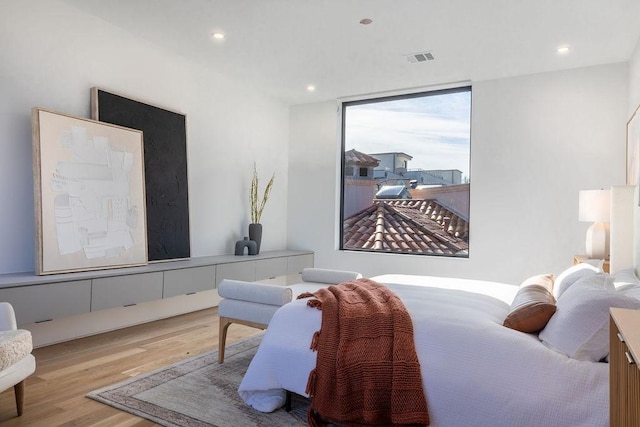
{"x": 594, "y": 206}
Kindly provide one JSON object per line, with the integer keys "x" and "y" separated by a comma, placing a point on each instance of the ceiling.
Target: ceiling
{"x": 281, "y": 46}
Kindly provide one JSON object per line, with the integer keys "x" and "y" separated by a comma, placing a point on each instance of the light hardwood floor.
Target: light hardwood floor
{"x": 66, "y": 372}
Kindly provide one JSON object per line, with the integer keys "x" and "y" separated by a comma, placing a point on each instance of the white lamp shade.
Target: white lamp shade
{"x": 594, "y": 205}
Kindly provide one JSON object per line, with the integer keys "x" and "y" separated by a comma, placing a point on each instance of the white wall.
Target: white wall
{"x": 634, "y": 79}
{"x": 634, "y": 103}
{"x": 52, "y": 54}
{"x": 537, "y": 141}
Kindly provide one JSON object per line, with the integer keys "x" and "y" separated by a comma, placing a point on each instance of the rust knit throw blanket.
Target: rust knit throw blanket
{"x": 367, "y": 371}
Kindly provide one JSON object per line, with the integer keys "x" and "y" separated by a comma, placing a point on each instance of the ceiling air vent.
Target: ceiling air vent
{"x": 420, "y": 57}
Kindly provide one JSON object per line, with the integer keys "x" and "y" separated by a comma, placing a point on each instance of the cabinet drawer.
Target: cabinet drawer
{"x": 188, "y": 281}
{"x": 245, "y": 270}
{"x": 122, "y": 291}
{"x": 296, "y": 263}
{"x": 271, "y": 268}
{"x": 40, "y": 303}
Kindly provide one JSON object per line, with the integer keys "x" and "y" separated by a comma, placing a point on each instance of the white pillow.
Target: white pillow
{"x": 598, "y": 263}
{"x": 594, "y": 281}
{"x": 580, "y": 326}
{"x": 571, "y": 275}
{"x": 632, "y": 291}
{"x": 626, "y": 276}
{"x": 627, "y": 283}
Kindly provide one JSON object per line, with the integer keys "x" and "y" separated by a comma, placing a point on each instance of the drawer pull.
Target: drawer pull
{"x": 129, "y": 305}
{"x": 629, "y": 358}
{"x": 43, "y": 321}
{"x": 620, "y": 337}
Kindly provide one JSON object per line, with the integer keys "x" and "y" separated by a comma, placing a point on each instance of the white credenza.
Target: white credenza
{"x": 38, "y": 303}
{"x": 63, "y": 306}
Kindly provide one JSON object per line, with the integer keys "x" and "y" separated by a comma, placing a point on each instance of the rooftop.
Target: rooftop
{"x": 411, "y": 226}
{"x": 355, "y": 157}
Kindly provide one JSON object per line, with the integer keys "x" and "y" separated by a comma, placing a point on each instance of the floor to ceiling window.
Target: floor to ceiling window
{"x": 405, "y": 173}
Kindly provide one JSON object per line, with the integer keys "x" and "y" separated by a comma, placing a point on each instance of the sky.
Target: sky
{"x": 434, "y": 129}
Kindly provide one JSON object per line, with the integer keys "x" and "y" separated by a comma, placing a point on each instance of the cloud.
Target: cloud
{"x": 434, "y": 129}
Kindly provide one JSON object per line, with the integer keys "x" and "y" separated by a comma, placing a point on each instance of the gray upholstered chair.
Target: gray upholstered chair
{"x": 16, "y": 360}
{"x": 254, "y": 304}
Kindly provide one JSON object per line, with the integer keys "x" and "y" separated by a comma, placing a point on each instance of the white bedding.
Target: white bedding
{"x": 475, "y": 371}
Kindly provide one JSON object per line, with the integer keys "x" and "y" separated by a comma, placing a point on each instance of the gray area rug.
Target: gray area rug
{"x": 198, "y": 392}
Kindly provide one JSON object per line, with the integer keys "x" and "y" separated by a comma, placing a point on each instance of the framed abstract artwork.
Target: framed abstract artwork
{"x": 89, "y": 194}
{"x": 633, "y": 148}
{"x": 165, "y": 157}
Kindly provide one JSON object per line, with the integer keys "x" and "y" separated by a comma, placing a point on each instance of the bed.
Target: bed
{"x": 475, "y": 371}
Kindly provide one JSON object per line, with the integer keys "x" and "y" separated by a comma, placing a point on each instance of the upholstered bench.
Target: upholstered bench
{"x": 253, "y": 303}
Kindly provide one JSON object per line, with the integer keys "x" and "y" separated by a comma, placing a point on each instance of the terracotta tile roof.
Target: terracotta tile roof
{"x": 354, "y": 157}
{"x": 414, "y": 226}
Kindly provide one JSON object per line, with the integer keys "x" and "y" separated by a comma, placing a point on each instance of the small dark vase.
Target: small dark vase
{"x": 255, "y": 234}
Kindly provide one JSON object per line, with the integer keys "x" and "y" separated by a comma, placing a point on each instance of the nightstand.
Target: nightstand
{"x": 624, "y": 374}
{"x": 577, "y": 259}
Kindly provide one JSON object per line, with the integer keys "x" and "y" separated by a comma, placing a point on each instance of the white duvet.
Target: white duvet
{"x": 475, "y": 371}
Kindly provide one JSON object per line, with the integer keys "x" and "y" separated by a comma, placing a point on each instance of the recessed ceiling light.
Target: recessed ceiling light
{"x": 311, "y": 88}
{"x": 217, "y": 35}
{"x": 563, "y": 50}
{"x": 366, "y": 21}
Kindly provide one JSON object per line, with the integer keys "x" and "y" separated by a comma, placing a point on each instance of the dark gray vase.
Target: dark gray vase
{"x": 255, "y": 234}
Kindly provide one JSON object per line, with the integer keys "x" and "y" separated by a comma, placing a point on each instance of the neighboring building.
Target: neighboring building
{"x": 393, "y": 168}
{"x": 391, "y": 163}
{"x": 359, "y": 165}
{"x": 389, "y": 208}
{"x": 454, "y": 197}
{"x": 435, "y": 176}
{"x": 411, "y": 226}
{"x": 359, "y": 185}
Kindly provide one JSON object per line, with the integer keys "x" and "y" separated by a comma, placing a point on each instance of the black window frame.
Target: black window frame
{"x": 343, "y": 112}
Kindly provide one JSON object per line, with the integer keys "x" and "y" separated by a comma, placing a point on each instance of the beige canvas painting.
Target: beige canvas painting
{"x": 89, "y": 194}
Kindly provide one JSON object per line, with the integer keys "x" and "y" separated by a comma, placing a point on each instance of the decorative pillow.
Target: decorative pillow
{"x": 533, "y": 305}
{"x": 571, "y": 275}
{"x": 580, "y": 326}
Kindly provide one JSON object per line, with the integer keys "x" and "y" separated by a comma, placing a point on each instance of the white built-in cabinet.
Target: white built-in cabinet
{"x": 41, "y": 303}
{"x": 188, "y": 281}
{"x": 125, "y": 291}
{"x": 44, "y": 298}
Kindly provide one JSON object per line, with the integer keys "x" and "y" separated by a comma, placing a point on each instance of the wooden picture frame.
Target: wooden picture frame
{"x": 89, "y": 194}
{"x": 633, "y": 148}
{"x": 166, "y": 180}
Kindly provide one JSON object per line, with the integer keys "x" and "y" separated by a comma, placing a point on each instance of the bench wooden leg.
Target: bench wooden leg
{"x": 222, "y": 337}
{"x": 222, "y": 333}
{"x": 287, "y": 402}
{"x": 19, "y": 390}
